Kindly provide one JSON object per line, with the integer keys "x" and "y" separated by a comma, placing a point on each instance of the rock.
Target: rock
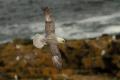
{"x": 87, "y": 56}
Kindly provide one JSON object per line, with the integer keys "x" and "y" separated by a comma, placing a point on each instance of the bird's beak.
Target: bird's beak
{"x": 60, "y": 40}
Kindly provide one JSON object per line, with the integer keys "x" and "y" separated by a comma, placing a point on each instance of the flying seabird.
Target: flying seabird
{"x": 50, "y": 39}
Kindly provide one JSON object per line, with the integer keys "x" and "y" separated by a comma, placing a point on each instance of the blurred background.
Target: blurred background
{"x": 74, "y": 19}
{"x": 91, "y": 29}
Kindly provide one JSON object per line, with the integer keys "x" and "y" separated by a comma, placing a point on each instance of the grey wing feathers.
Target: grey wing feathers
{"x": 54, "y": 49}
{"x": 56, "y": 56}
{"x": 51, "y": 38}
{"x": 49, "y": 23}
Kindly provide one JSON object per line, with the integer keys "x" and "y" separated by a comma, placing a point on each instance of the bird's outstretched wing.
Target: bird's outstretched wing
{"x": 49, "y": 22}
{"x": 51, "y": 38}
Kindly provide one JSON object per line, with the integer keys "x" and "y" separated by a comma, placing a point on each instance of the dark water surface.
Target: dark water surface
{"x": 75, "y": 19}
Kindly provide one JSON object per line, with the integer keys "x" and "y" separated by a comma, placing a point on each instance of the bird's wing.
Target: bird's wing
{"x": 56, "y": 56}
{"x": 51, "y": 38}
{"x": 49, "y": 22}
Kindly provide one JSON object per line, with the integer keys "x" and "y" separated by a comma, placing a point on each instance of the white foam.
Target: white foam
{"x": 100, "y": 18}
{"x": 112, "y": 29}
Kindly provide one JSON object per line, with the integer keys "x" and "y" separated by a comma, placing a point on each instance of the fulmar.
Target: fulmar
{"x": 50, "y": 39}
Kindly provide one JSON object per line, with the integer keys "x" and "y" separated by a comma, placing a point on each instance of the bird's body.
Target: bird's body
{"x": 50, "y": 39}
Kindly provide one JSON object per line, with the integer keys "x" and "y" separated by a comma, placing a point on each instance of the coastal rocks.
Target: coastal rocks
{"x": 101, "y": 55}
{"x": 21, "y": 60}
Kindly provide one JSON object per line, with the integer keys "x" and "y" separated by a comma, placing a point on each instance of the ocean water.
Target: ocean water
{"x": 74, "y": 19}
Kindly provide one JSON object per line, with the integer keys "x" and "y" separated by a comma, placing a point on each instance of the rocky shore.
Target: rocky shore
{"x": 93, "y": 59}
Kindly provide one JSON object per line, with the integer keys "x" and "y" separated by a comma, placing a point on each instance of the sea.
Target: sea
{"x": 74, "y": 19}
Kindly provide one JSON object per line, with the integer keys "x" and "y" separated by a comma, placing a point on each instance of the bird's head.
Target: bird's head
{"x": 60, "y": 40}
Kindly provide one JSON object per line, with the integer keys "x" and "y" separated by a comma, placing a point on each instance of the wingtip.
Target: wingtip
{"x": 46, "y": 8}
{"x": 57, "y": 62}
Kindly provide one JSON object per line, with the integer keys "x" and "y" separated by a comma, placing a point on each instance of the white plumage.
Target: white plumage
{"x": 39, "y": 41}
